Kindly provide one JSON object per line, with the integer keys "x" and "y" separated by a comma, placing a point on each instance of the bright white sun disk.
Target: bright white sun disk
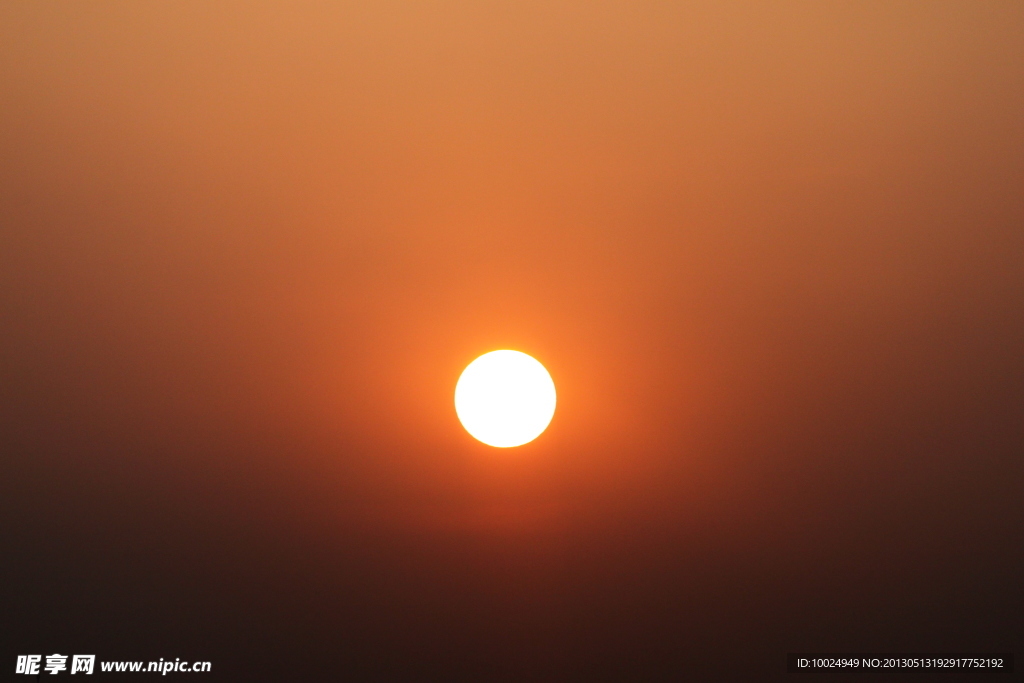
{"x": 505, "y": 398}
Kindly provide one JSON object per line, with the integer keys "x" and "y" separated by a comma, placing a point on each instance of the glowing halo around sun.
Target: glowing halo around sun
{"x": 505, "y": 398}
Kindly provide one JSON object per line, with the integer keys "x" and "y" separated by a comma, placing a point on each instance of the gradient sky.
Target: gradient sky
{"x": 772, "y": 255}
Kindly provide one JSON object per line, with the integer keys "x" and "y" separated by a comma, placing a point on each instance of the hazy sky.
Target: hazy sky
{"x": 770, "y": 253}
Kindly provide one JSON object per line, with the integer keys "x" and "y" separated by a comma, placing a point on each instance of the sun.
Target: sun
{"x": 505, "y": 398}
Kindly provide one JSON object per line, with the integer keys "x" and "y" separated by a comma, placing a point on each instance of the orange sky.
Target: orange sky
{"x": 296, "y": 224}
